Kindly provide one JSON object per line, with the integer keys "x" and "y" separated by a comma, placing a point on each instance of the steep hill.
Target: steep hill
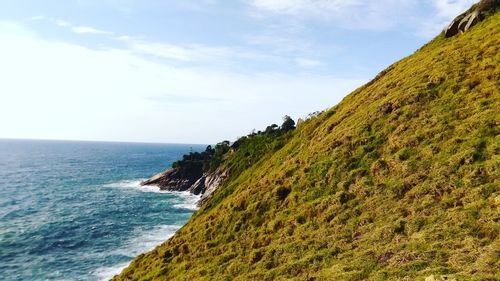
{"x": 399, "y": 181}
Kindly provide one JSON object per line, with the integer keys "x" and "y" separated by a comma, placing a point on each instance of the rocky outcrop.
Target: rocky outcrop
{"x": 173, "y": 180}
{"x": 212, "y": 182}
{"x": 470, "y": 18}
{"x": 463, "y": 23}
{"x": 193, "y": 181}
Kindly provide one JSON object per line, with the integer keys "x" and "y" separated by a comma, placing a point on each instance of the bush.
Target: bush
{"x": 282, "y": 192}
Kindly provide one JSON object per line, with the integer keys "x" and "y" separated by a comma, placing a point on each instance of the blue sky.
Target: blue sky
{"x": 194, "y": 71}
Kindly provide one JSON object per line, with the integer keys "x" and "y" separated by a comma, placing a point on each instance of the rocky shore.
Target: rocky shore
{"x": 193, "y": 181}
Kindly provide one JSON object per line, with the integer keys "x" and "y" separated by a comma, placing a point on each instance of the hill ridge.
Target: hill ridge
{"x": 399, "y": 181}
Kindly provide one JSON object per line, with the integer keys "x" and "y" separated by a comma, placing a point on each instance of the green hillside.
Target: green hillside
{"x": 399, "y": 181}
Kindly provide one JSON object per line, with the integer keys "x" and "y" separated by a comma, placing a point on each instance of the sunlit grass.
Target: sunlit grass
{"x": 400, "y": 180}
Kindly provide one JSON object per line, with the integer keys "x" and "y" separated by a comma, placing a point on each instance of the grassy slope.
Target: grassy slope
{"x": 375, "y": 194}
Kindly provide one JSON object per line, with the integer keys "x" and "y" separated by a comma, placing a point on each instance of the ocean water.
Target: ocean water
{"x": 76, "y": 211}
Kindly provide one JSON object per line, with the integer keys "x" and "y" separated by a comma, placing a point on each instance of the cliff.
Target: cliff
{"x": 202, "y": 173}
{"x": 399, "y": 181}
{"x": 195, "y": 182}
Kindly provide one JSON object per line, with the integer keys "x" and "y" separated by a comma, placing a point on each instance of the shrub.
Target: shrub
{"x": 282, "y": 192}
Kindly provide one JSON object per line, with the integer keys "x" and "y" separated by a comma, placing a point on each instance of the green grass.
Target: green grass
{"x": 400, "y": 180}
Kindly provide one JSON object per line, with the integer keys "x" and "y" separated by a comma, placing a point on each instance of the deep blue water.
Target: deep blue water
{"x": 75, "y": 210}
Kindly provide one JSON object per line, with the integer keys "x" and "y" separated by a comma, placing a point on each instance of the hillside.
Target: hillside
{"x": 399, "y": 181}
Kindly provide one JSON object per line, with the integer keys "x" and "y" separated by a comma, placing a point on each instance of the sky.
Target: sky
{"x": 186, "y": 71}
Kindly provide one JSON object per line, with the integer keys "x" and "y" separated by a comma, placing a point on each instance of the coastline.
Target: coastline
{"x": 146, "y": 240}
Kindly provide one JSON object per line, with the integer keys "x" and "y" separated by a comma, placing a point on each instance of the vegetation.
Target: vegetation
{"x": 205, "y": 161}
{"x": 399, "y": 181}
{"x": 240, "y": 155}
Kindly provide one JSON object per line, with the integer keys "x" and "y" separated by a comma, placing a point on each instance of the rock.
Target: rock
{"x": 469, "y": 21}
{"x": 470, "y": 18}
{"x": 463, "y": 23}
{"x": 156, "y": 178}
{"x": 212, "y": 183}
{"x": 192, "y": 181}
{"x": 173, "y": 180}
{"x": 199, "y": 186}
{"x": 452, "y": 29}
{"x": 474, "y": 18}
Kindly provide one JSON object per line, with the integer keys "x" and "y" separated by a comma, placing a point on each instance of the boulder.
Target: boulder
{"x": 463, "y": 23}
{"x": 470, "y": 18}
{"x": 452, "y": 29}
{"x": 474, "y": 18}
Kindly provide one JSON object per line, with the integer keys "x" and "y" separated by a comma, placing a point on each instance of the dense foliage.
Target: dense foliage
{"x": 399, "y": 181}
{"x": 250, "y": 149}
{"x": 206, "y": 161}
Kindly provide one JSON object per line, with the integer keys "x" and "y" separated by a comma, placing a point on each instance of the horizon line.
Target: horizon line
{"x": 100, "y": 141}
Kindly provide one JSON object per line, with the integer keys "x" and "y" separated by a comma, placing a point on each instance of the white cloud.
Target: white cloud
{"x": 59, "y": 90}
{"x": 71, "y": 26}
{"x": 302, "y": 6}
{"x": 62, "y": 23}
{"x": 189, "y": 53}
{"x": 371, "y": 15}
{"x": 308, "y": 63}
{"x": 89, "y": 30}
{"x": 351, "y": 14}
{"x": 35, "y": 18}
{"x": 198, "y": 53}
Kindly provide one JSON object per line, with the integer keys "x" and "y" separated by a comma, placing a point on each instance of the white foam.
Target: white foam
{"x": 136, "y": 184}
{"x": 145, "y": 240}
{"x": 187, "y": 201}
{"x": 106, "y": 273}
{"x": 142, "y": 241}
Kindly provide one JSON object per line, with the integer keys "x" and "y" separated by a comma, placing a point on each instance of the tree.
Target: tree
{"x": 288, "y": 123}
{"x": 270, "y": 129}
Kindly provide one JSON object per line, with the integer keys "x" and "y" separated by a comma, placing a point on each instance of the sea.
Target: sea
{"x": 72, "y": 210}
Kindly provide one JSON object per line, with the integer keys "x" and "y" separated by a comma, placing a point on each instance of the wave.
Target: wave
{"x": 142, "y": 241}
{"x": 106, "y": 273}
{"x": 135, "y": 184}
{"x": 186, "y": 200}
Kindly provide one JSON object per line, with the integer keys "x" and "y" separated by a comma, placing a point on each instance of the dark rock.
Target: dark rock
{"x": 173, "y": 180}
{"x": 192, "y": 181}
{"x": 199, "y": 186}
{"x": 472, "y": 17}
{"x": 452, "y": 29}
{"x": 463, "y": 23}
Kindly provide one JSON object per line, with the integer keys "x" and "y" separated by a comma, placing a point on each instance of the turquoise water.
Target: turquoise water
{"x": 75, "y": 210}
